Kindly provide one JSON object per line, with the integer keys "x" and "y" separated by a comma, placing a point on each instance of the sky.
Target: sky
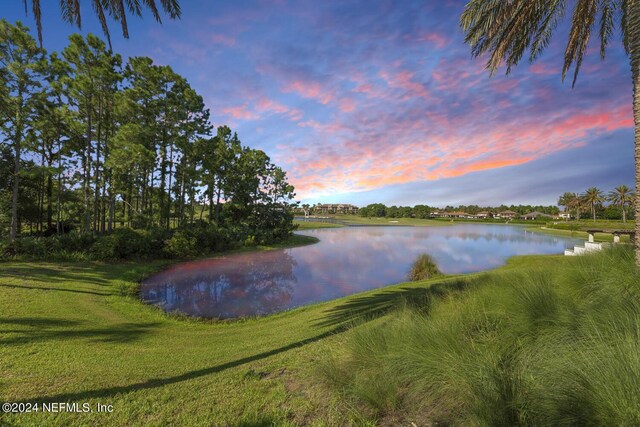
{"x": 380, "y": 101}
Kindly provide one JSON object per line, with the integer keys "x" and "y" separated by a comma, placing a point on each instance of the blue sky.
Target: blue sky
{"x": 380, "y": 101}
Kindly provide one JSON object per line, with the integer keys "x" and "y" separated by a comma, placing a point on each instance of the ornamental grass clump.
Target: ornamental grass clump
{"x": 554, "y": 343}
{"x": 423, "y": 268}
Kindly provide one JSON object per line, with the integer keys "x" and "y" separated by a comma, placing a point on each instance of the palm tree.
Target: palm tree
{"x": 115, "y": 9}
{"x": 592, "y": 197}
{"x": 622, "y": 196}
{"x": 566, "y": 201}
{"x": 574, "y": 201}
{"x": 506, "y": 30}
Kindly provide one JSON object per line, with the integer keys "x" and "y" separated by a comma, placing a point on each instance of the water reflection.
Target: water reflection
{"x": 235, "y": 286}
{"x": 346, "y": 261}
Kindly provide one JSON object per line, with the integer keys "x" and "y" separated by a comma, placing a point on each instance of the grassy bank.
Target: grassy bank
{"x": 525, "y": 345}
{"x": 584, "y": 225}
{"x": 312, "y": 225}
{"x": 358, "y": 220}
{"x": 598, "y": 237}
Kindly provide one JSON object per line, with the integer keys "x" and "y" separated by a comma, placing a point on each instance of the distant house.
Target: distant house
{"x": 506, "y": 215}
{"x": 484, "y": 215}
{"x": 335, "y": 209}
{"x": 565, "y": 215}
{"x": 536, "y": 215}
{"x": 458, "y": 215}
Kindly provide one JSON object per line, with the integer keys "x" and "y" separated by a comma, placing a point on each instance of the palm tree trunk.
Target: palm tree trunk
{"x": 634, "y": 47}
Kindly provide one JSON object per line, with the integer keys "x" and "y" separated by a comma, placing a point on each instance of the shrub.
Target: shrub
{"x": 126, "y": 243}
{"x": 424, "y": 267}
{"x": 181, "y": 245}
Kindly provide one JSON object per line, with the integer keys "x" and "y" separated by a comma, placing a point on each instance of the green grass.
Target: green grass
{"x": 423, "y": 268}
{"x": 311, "y": 225}
{"x": 358, "y": 220}
{"x": 523, "y": 345}
{"x": 598, "y": 237}
{"x": 586, "y": 224}
{"x": 68, "y": 334}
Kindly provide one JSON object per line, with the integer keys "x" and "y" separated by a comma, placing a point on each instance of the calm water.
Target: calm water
{"x": 347, "y": 260}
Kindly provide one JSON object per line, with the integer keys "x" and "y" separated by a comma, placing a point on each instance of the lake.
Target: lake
{"x": 345, "y": 261}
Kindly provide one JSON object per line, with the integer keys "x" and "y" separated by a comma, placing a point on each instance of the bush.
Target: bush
{"x": 126, "y": 243}
{"x": 181, "y": 246}
{"x": 424, "y": 267}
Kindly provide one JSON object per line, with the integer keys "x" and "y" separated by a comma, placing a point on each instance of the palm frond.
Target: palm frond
{"x": 505, "y": 30}
{"x": 115, "y": 9}
{"x": 584, "y": 15}
{"x": 98, "y": 7}
{"x": 37, "y": 15}
{"x": 608, "y": 9}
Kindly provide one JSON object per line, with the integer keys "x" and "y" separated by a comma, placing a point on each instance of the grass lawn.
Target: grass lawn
{"x": 586, "y": 224}
{"x": 310, "y": 225}
{"x": 358, "y": 220}
{"x": 598, "y": 237}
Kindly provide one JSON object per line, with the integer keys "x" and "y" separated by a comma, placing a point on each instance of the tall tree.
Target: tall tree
{"x": 93, "y": 76}
{"x": 621, "y": 196}
{"x": 593, "y": 197}
{"x": 566, "y": 200}
{"x": 576, "y": 202}
{"x": 115, "y": 9}
{"x": 21, "y": 63}
{"x": 506, "y": 30}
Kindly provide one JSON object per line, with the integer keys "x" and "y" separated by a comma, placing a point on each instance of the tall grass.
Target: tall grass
{"x": 531, "y": 346}
{"x": 423, "y": 268}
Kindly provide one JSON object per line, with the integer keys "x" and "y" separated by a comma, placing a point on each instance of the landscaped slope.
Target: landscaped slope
{"x": 555, "y": 343}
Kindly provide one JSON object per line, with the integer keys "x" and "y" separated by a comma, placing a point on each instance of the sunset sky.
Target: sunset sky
{"x": 380, "y": 101}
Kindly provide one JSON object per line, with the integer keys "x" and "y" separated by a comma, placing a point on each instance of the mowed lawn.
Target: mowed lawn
{"x": 66, "y": 335}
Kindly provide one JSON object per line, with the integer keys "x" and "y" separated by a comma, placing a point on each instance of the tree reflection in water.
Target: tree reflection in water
{"x": 235, "y": 286}
{"x": 345, "y": 261}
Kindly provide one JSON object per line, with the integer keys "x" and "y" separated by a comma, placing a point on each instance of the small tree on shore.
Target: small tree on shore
{"x": 622, "y": 196}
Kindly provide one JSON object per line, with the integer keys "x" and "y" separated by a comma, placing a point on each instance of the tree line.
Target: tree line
{"x": 592, "y": 201}
{"x": 93, "y": 143}
{"x": 424, "y": 211}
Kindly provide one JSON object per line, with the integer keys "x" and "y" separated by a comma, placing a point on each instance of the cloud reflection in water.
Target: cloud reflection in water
{"x": 346, "y": 261}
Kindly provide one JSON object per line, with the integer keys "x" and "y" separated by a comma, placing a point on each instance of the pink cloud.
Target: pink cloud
{"x": 364, "y": 88}
{"x": 309, "y": 89}
{"x": 439, "y": 40}
{"x": 368, "y": 160}
{"x": 346, "y": 105}
{"x": 261, "y": 108}
{"x": 405, "y": 80}
{"x": 240, "y": 112}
